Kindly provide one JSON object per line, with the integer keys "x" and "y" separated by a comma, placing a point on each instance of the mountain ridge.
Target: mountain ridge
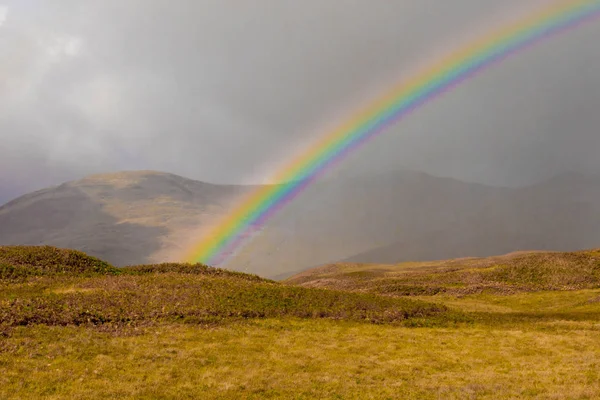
{"x": 137, "y": 217}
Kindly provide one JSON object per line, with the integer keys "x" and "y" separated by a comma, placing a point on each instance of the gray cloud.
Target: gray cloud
{"x": 220, "y": 91}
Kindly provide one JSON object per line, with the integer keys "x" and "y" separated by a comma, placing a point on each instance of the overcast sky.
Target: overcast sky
{"x": 223, "y": 91}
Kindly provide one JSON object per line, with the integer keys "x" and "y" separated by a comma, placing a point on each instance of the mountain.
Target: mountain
{"x": 414, "y": 216}
{"x": 148, "y": 217}
{"x": 124, "y": 218}
{"x": 560, "y": 214}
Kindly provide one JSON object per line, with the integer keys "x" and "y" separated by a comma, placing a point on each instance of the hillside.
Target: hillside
{"x": 558, "y": 215}
{"x": 524, "y": 326}
{"x": 52, "y": 286}
{"x": 151, "y": 217}
{"x": 124, "y": 218}
{"x": 507, "y": 274}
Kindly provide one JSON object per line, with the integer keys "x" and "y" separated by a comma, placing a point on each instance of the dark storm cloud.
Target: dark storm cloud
{"x": 219, "y": 90}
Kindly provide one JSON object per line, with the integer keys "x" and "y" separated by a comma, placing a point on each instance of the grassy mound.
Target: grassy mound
{"x": 18, "y": 262}
{"x": 197, "y": 299}
{"x": 191, "y": 269}
{"x": 91, "y": 292}
{"x": 512, "y": 273}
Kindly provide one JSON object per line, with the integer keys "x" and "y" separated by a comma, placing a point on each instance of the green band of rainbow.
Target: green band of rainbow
{"x": 256, "y": 208}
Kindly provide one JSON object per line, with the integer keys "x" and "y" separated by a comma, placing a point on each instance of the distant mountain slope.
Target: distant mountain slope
{"x": 147, "y": 217}
{"x": 426, "y": 218}
{"x": 338, "y": 218}
{"x": 124, "y": 218}
{"x": 561, "y": 214}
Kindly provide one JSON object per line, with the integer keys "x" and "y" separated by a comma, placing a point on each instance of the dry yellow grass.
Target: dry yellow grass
{"x": 532, "y": 344}
{"x": 296, "y": 359}
{"x": 511, "y": 273}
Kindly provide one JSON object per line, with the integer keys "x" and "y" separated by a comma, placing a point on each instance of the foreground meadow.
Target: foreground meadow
{"x": 72, "y": 327}
{"x": 305, "y": 359}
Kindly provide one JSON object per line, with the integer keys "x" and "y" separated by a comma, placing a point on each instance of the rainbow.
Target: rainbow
{"x": 259, "y": 206}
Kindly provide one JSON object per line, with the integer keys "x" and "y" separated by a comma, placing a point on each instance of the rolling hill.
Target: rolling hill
{"x": 66, "y": 287}
{"x": 524, "y": 325}
{"x": 150, "y": 217}
{"x": 508, "y": 274}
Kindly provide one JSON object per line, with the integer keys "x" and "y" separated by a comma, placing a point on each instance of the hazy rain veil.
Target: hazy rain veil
{"x": 397, "y": 105}
{"x": 224, "y": 92}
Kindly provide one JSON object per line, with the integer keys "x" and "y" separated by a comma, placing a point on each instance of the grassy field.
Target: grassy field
{"x": 186, "y": 332}
{"x": 509, "y": 274}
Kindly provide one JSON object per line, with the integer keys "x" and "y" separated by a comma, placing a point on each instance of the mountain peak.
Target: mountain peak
{"x": 122, "y": 178}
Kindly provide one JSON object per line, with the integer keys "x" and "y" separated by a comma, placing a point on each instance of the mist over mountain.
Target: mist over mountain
{"x": 145, "y": 216}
